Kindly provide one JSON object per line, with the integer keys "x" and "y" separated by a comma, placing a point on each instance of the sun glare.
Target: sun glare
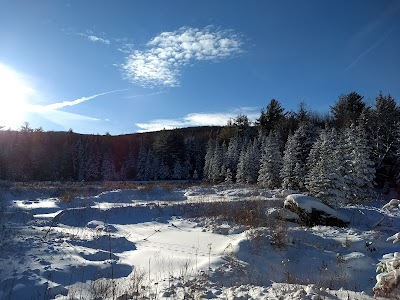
{"x": 14, "y": 92}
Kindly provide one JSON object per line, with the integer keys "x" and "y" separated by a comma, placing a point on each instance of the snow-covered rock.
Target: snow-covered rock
{"x": 313, "y": 212}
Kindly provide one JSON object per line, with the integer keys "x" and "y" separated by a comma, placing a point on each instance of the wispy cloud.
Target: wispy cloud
{"x": 94, "y": 38}
{"x": 198, "y": 119}
{"x": 89, "y": 35}
{"x": 161, "y": 64}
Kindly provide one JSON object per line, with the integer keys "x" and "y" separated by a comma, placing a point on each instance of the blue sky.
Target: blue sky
{"x": 131, "y": 66}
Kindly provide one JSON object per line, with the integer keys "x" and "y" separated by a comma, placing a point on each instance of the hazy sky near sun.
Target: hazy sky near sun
{"x": 128, "y": 66}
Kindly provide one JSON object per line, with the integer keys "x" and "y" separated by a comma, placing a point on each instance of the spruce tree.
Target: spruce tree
{"x": 325, "y": 179}
{"x": 232, "y": 156}
{"x": 249, "y": 163}
{"x": 296, "y": 152}
{"x": 208, "y": 159}
{"x": 271, "y": 163}
{"x": 359, "y": 167}
{"x": 383, "y": 129}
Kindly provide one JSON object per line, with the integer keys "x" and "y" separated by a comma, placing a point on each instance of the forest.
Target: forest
{"x": 344, "y": 153}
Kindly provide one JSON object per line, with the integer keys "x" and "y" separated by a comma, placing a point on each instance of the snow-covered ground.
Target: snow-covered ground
{"x": 194, "y": 242}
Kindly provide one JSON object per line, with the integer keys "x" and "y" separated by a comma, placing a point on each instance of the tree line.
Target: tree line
{"x": 35, "y": 155}
{"x": 338, "y": 157}
{"x": 344, "y": 153}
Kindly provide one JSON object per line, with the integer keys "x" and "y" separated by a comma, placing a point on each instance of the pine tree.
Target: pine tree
{"x": 383, "y": 126}
{"x": 397, "y": 159}
{"x": 208, "y": 160}
{"x": 271, "y": 163}
{"x": 163, "y": 171}
{"x": 177, "y": 172}
{"x": 107, "y": 168}
{"x": 141, "y": 163}
{"x": 325, "y": 179}
{"x": 347, "y": 109}
{"x": 232, "y": 156}
{"x": 296, "y": 152}
{"x": 359, "y": 167}
{"x": 194, "y": 152}
{"x": 228, "y": 176}
{"x": 270, "y": 118}
{"x": 151, "y": 166}
{"x": 249, "y": 163}
{"x": 289, "y": 163}
{"x": 216, "y": 164}
{"x": 241, "y": 168}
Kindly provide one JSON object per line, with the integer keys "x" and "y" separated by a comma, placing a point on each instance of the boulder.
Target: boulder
{"x": 312, "y": 211}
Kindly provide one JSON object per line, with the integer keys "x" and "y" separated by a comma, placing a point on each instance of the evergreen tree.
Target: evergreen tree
{"x": 270, "y": 118}
{"x": 249, "y": 163}
{"x": 302, "y": 114}
{"x": 289, "y": 163}
{"x": 347, "y": 109}
{"x": 141, "y": 163}
{"x": 382, "y": 127}
{"x": 151, "y": 166}
{"x": 163, "y": 171}
{"x": 232, "y": 156}
{"x": 296, "y": 152}
{"x": 325, "y": 179}
{"x": 397, "y": 164}
{"x": 216, "y": 164}
{"x": 271, "y": 163}
{"x": 241, "y": 168}
{"x": 177, "y": 172}
{"x": 359, "y": 167}
{"x": 194, "y": 152}
{"x": 208, "y": 159}
{"x": 93, "y": 162}
{"x": 108, "y": 171}
{"x": 228, "y": 176}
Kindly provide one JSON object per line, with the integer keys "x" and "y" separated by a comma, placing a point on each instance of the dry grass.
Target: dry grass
{"x": 251, "y": 213}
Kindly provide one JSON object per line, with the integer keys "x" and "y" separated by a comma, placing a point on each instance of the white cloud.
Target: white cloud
{"x": 94, "y": 38}
{"x": 169, "y": 52}
{"x": 198, "y": 119}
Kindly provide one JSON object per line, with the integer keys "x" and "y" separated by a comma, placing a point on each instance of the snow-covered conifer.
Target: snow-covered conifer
{"x": 325, "y": 179}
{"x": 107, "y": 168}
{"x": 232, "y": 155}
{"x": 228, "y": 176}
{"x": 296, "y": 152}
{"x": 216, "y": 164}
{"x": 271, "y": 163}
{"x": 177, "y": 172}
{"x": 249, "y": 163}
{"x": 141, "y": 163}
{"x": 358, "y": 168}
{"x": 208, "y": 159}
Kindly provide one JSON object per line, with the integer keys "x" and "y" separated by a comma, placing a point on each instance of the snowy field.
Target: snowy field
{"x": 188, "y": 242}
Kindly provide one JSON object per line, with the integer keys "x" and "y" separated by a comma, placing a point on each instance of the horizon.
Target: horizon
{"x": 105, "y": 68}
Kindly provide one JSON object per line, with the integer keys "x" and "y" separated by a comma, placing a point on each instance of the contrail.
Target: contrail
{"x": 59, "y": 105}
{"x": 369, "y": 49}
